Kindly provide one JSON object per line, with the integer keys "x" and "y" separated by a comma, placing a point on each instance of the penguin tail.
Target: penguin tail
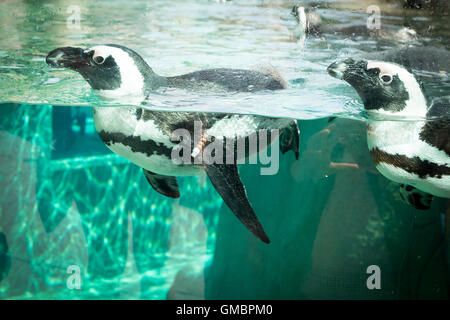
{"x": 290, "y": 139}
{"x": 268, "y": 69}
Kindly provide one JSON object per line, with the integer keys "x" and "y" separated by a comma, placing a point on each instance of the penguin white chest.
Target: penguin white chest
{"x": 401, "y": 156}
{"x": 140, "y": 141}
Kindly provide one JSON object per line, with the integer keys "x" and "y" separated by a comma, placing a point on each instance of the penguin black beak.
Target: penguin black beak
{"x": 337, "y": 69}
{"x": 69, "y": 57}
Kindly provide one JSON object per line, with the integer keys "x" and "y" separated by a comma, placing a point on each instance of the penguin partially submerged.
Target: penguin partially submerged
{"x": 409, "y": 142}
{"x": 310, "y": 24}
{"x": 145, "y": 137}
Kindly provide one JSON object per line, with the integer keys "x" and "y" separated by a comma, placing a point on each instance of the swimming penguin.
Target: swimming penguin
{"x": 310, "y": 24}
{"x": 408, "y": 142}
{"x": 309, "y": 21}
{"x": 146, "y": 137}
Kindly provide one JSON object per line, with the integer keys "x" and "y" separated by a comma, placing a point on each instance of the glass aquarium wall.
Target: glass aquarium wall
{"x": 330, "y": 216}
{"x": 78, "y": 221}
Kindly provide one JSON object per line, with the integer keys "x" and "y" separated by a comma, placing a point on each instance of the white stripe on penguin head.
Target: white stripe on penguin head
{"x": 302, "y": 18}
{"x": 416, "y": 105}
{"x": 132, "y": 81}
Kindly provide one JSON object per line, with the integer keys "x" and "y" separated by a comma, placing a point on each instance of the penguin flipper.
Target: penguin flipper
{"x": 225, "y": 179}
{"x": 290, "y": 139}
{"x": 437, "y": 130}
{"x": 415, "y": 198}
{"x": 166, "y": 185}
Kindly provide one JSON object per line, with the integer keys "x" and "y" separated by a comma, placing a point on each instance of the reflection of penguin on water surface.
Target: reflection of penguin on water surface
{"x": 409, "y": 142}
{"x": 145, "y": 137}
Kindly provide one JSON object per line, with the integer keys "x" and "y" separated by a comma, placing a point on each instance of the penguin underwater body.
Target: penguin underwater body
{"x": 409, "y": 142}
{"x": 145, "y": 137}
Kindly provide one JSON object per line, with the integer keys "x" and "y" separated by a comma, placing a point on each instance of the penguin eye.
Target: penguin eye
{"x": 386, "y": 78}
{"x": 98, "y": 59}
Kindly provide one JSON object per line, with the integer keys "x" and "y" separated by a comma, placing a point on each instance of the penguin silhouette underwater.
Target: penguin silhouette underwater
{"x": 145, "y": 137}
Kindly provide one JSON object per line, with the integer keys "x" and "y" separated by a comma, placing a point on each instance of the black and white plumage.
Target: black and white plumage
{"x": 145, "y": 137}
{"x": 409, "y": 142}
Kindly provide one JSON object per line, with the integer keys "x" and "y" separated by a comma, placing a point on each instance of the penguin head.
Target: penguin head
{"x": 111, "y": 70}
{"x": 308, "y": 19}
{"x": 386, "y": 89}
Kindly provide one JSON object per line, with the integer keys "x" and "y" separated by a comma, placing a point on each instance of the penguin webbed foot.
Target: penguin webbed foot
{"x": 415, "y": 198}
{"x": 165, "y": 185}
{"x": 290, "y": 139}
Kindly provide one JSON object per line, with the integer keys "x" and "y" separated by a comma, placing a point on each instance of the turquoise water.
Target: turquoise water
{"x": 66, "y": 200}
